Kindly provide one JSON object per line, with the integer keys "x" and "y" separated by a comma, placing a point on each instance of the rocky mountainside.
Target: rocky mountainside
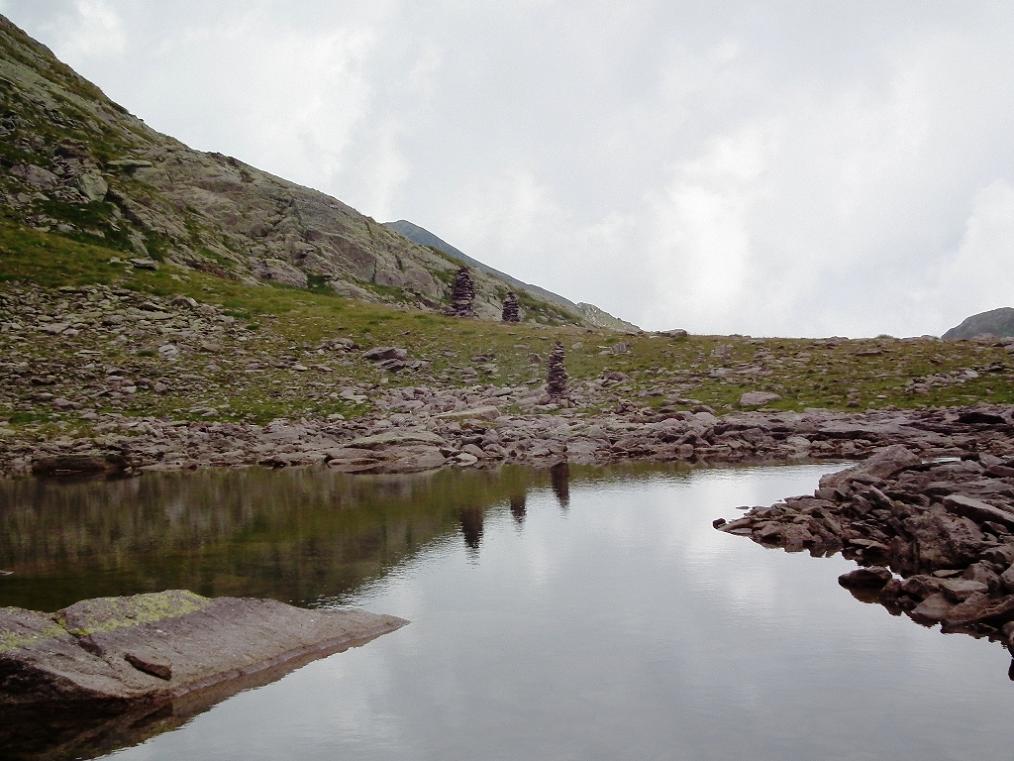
{"x": 586, "y": 312}
{"x": 996, "y": 322}
{"x": 77, "y": 164}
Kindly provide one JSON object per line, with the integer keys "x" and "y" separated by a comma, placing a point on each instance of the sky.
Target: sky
{"x": 765, "y": 168}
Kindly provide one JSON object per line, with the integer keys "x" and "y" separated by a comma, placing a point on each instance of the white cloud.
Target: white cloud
{"x": 812, "y": 172}
{"x": 980, "y": 274}
{"x": 88, "y": 29}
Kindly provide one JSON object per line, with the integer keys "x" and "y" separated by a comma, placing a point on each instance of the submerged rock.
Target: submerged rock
{"x": 116, "y": 652}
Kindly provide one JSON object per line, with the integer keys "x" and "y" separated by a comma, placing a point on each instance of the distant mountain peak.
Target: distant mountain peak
{"x": 583, "y": 311}
{"x": 995, "y": 322}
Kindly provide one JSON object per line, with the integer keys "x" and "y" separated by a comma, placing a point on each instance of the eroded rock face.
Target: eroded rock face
{"x": 944, "y": 528}
{"x": 117, "y": 652}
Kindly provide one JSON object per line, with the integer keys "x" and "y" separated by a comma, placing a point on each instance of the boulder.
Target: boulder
{"x": 758, "y": 398}
{"x": 865, "y": 578}
{"x": 978, "y": 510}
{"x": 116, "y": 652}
{"x": 281, "y": 272}
{"x": 487, "y": 412}
{"x": 396, "y": 438}
{"x": 411, "y": 459}
{"x": 881, "y": 464}
{"x": 381, "y": 353}
{"x": 92, "y": 186}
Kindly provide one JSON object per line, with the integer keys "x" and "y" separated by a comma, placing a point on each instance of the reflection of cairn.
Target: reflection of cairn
{"x": 471, "y": 520}
{"x": 556, "y": 374}
{"x": 519, "y": 508}
{"x": 511, "y": 309}
{"x": 560, "y": 475}
{"x": 462, "y": 294}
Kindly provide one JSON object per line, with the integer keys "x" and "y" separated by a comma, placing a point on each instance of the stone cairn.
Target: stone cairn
{"x": 511, "y": 309}
{"x": 462, "y": 294}
{"x": 556, "y": 373}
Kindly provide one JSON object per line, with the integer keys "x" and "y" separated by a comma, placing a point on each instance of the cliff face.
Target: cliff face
{"x": 75, "y": 163}
{"x": 996, "y": 322}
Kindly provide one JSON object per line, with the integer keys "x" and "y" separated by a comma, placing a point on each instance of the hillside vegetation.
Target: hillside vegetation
{"x": 83, "y": 330}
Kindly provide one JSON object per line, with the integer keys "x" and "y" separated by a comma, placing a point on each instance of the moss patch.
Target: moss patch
{"x": 106, "y": 614}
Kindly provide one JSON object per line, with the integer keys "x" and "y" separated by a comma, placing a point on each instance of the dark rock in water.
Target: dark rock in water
{"x": 556, "y": 372}
{"x": 511, "y": 309}
{"x": 116, "y": 652}
{"x": 931, "y": 610}
{"x": 865, "y": 578}
{"x": 462, "y": 294}
{"x": 74, "y": 465}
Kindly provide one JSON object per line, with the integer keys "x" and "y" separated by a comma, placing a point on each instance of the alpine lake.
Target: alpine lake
{"x": 570, "y": 613}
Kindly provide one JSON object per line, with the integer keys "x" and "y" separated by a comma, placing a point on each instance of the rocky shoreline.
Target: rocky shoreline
{"x": 426, "y": 429}
{"x": 934, "y": 537}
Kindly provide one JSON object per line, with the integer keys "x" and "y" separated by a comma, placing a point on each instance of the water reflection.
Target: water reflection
{"x": 304, "y": 536}
{"x": 560, "y": 474}
{"x": 624, "y": 628}
{"x": 471, "y": 527}
{"x": 519, "y": 506}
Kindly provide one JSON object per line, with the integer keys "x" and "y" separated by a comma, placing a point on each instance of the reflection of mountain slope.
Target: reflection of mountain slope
{"x": 299, "y": 536}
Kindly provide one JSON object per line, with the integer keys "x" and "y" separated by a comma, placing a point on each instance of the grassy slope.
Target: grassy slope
{"x": 288, "y": 324}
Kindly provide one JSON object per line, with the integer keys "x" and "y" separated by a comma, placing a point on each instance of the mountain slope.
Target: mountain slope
{"x": 74, "y": 163}
{"x": 586, "y": 312}
{"x": 996, "y": 322}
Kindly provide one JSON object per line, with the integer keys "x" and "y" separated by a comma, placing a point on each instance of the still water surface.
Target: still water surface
{"x": 579, "y": 614}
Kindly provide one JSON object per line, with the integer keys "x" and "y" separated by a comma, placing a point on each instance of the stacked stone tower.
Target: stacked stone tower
{"x": 511, "y": 308}
{"x": 556, "y": 372}
{"x": 462, "y": 294}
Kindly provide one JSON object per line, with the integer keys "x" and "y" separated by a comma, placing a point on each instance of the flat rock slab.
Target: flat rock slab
{"x": 116, "y": 652}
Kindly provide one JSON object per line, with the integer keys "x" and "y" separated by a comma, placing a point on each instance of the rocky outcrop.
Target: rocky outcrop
{"x": 115, "y": 653}
{"x": 935, "y": 537}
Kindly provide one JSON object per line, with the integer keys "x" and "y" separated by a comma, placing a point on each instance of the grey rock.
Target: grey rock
{"x": 153, "y": 648}
{"x": 977, "y": 509}
{"x": 757, "y": 398}
{"x": 92, "y": 186}
{"x": 396, "y": 438}
{"x": 865, "y": 578}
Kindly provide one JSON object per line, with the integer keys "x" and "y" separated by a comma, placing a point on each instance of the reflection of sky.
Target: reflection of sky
{"x": 625, "y": 628}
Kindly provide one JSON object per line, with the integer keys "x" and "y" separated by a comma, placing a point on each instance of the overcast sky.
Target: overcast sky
{"x": 769, "y": 168}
